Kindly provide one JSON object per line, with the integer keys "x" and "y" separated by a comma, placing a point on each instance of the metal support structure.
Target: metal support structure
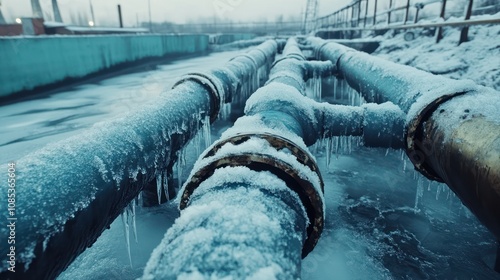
{"x": 120, "y": 16}
{"x": 464, "y": 33}
{"x": 389, "y": 13}
{"x": 407, "y": 11}
{"x": 310, "y": 16}
{"x": 36, "y": 9}
{"x": 439, "y": 30}
{"x": 366, "y": 13}
{"x": 2, "y": 19}
{"x": 71, "y": 191}
{"x": 57, "y": 12}
{"x": 452, "y": 127}
{"x": 375, "y": 13}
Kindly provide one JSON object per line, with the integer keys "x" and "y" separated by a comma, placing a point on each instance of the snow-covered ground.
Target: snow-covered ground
{"x": 383, "y": 220}
{"x": 477, "y": 59}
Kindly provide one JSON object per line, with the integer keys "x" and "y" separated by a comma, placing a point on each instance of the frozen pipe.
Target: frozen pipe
{"x": 251, "y": 208}
{"x": 240, "y": 224}
{"x": 233, "y": 222}
{"x": 231, "y": 83}
{"x": 69, "y": 192}
{"x": 452, "y": 126}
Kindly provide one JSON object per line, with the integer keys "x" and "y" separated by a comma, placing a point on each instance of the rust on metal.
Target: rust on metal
{"x": 306, "y": 191}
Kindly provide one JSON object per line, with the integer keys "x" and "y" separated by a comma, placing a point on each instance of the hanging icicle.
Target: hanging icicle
{"x": 126, "y": 230}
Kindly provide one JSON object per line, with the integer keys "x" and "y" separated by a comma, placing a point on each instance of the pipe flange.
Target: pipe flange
{"x": 306, "y": 191}
{"x": 288, "y": 56}
{"x": 255, "y": 64}
{"x": 298, "y": 83}
{"x": 415, "y": 149}
{"x": 213, "y": 87}
{"x": 277, "y": 142}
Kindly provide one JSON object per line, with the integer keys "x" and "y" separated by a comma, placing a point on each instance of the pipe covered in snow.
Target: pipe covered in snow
{"x": 452, "y": 126}
{"x": 253, "y": 204}
{"x": 69, "y": 192}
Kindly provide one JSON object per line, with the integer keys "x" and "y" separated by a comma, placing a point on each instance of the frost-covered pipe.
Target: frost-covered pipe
{"x": 453, "y": 126}
{"x": 69, "y": 192}
{"x": 217, "y": 234}
{"x": 240, "y": 224}
{"x": 380, "y": 125}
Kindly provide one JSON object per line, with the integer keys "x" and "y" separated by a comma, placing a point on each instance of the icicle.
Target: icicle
{"x": 225, "y": 111}
{"x": 159, "y": 186}
{"x": 438, "y": 189}
{"x": 124, "y": 217}
{"x": 429, "y": 186}
{"x": 387, "y": 152}
{"x": 134, "y": 225}
{"x": 181, "y": 162}
{"x": 328, "y": 150}
{"x": 207, "y": 134}
{"x": 404, "y": 165}
{"x": 350, "y": 144}
{"x": 166, "y": 186}
{"x": 336, "y": 139}
{"x": 420, "y": 192}
{"x": 317, "y": 87}
{"x": 335, "y": 84}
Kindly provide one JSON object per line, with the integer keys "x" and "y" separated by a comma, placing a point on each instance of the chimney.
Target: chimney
{"x": 57, "y": 13}
{"x": 37, "y": 9}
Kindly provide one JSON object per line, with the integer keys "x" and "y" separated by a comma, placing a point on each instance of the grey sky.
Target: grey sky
{"x": 178, "y": 11}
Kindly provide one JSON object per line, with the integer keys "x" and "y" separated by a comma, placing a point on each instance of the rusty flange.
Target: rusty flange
{"x": 306, "y": 191}
{"x": 415, "y": 148}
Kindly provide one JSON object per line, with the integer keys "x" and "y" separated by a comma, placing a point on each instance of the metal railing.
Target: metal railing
{"x": 365, "y": 15}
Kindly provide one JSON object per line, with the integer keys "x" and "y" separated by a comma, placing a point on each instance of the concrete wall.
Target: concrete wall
{"x": 29, "y": 62}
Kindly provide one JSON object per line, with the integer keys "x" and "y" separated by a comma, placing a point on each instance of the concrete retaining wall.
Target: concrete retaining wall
{"x": 30, "y": 62}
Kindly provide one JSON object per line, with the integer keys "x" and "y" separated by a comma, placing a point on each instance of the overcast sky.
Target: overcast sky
{"x": 179, "y": 11}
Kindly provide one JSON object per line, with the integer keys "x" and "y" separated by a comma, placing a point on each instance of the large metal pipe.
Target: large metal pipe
{"x": 264, "y": 149}
{"x": 453, "y": 126}
{"x": 69, "y": 192}
{"x": 257, "y": 197}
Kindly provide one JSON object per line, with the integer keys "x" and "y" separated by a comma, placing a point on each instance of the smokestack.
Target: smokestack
{"x": 57, "y": 13}
{"x": 120, "y": 15}
{"x": 37, "y": 9}
{"x": 2, "y": 20}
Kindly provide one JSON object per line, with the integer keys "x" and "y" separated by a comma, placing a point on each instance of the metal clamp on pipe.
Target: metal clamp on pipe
{"x": 415, "y": 149}
{"x": 281, "y": 166}
{"x": 212, "y": 85}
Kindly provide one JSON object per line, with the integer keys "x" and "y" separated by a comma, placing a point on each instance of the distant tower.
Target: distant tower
{"x": 2, "y": 20}
{"x": 57, "y": 13}
{"x": 37, "y": 9}
{"x": 310, "y": 16}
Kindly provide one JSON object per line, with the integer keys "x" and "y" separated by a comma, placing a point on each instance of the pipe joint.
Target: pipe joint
{"x": 420, "y": 112}
{"x": 273, "y": 153}
{"x": 213, "y": 86}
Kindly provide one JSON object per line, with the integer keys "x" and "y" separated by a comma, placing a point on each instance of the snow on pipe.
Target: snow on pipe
{"x": 379, "y": 125}
{"x": 68, "y": 192}
{"x": 230, "y": 199}
{"x": 452, "y": 126}
{"x": 255, "y": 199}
